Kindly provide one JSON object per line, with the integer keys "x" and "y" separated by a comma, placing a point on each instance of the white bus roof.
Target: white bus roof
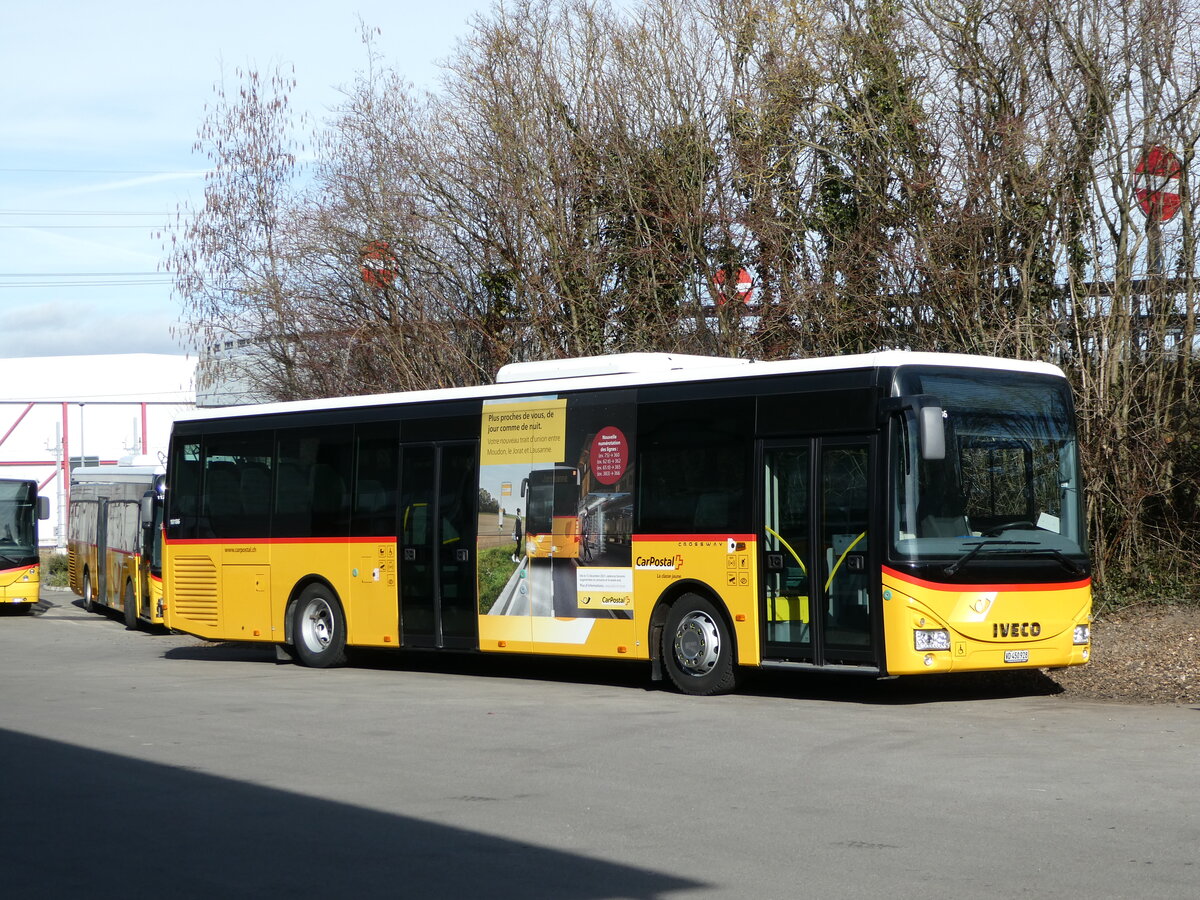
{"x": 631, "y": 370}
{"x": 129, "y": 468}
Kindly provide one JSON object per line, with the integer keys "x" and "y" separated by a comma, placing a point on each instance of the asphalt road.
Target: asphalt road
{"x": 141, "y": 765}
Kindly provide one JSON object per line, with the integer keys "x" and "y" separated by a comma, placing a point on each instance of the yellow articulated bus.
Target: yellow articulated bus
{"x": 20, "y": 569}
{"x": 114, "y": 538}
{"x": 885, "y": 514}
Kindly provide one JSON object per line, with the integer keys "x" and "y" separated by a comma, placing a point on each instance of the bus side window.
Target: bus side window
{"x": 255, "y": 484}
{"x": 222, "y": 498}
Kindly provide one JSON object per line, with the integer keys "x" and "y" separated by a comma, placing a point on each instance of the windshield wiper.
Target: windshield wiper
{"x": 1069, "y": 564}
{"x": 970, "y": 554}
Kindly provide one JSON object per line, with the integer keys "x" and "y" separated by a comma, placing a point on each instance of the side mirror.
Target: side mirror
{"x": 43, "y": 507}
{"x": 147, "y": 510}
{"x": 932, "y": 432}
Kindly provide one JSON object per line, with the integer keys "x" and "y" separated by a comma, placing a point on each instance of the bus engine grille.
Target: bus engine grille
{"x": 194, "y": 589}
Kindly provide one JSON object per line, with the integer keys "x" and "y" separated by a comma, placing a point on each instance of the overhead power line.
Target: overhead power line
{"x": 79, "y": 284}
{"x": 108, "y": 171}
{"x": 84, "y": 212}
{"x": 74, "y": 274}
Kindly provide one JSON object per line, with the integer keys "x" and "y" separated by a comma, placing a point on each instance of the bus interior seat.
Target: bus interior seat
{"x": 330, "y": 502}
{"x": 223, "y": 490}
{"x": 371, "y": 497}
{"x": 256, "y": 488}
{"x": 712, "y": 511}
{"x": 292, "y": 489}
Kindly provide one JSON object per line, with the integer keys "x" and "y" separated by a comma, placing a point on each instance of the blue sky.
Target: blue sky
{"x": 99, "y": 107}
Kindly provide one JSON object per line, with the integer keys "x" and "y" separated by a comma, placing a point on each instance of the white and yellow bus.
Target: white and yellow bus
{"x": 20, "y": 568}
{"x": 885, "y": 514}
{"x": 114, "y": 538}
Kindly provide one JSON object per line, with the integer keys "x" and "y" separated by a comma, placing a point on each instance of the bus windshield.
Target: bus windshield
{"x": 18, "y": 523}
{"x": 1009, "y": 484}
{"x": 551, "y": 493}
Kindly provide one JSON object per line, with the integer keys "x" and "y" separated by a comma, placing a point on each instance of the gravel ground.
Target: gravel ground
{"x": 1140, "y": 655}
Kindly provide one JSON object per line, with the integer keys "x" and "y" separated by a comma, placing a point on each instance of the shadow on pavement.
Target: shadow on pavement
{"x": 82, "y": 823}
{"x": 801, "y": 685}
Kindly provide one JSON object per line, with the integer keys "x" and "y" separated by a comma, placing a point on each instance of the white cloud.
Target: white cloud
{"x": 99, "y": 113}
{"x": 66, "y": 329}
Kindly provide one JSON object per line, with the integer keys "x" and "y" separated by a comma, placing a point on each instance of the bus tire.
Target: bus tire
{"x": 130, "y": 605}
{"x": 319, "y": 628}
{"x": 89, "y": 601}
{"x": 697, "y": 648}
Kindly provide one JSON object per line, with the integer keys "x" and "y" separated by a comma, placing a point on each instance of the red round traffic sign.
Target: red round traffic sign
{"x": 1156, "y": 183}
{"x": 378, "y": 264}
{"x": 741, "y": 289}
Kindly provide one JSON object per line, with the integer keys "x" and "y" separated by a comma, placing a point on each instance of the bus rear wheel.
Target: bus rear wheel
{"x": 697, "y": 648}
{"x": 89, "y": 602}
{"x": 131, "y": 610}
{"x": 319, "y": 628}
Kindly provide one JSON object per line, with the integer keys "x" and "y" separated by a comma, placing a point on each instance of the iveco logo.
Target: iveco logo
{"x": 1016, "y": 629}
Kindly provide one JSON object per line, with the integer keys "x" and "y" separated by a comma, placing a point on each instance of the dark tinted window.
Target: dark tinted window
{"x": 183, "y": 489}
{"x": 377, "y": 466}
{"x": 235, "y": 486}
{"x": 693, "y": 466}
{"x": 312, "y": 485}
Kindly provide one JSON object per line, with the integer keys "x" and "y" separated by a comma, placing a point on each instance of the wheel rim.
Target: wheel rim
{"x": 697, "y": 643}
{"x": 316, "y": 625}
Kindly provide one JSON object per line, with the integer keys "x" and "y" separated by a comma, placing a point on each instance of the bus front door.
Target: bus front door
{"x": 101, "y": 574}
{"x": 816, "y": 592}
{"x": 439, "y": 493}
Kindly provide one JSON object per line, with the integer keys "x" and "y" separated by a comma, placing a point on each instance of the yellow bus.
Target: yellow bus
{"x": 884, "y": 514}
{"x": 551, "y": 513}
{"x": 114, "y": 538}
{"x": 20, "y": 509}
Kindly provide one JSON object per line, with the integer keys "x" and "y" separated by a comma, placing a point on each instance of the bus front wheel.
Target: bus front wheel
{"x": 131, "y": 610}
{"x": 319, "y": 628}
{"x": 697, "y": 647}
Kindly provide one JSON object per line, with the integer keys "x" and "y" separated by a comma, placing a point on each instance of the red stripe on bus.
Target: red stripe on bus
{"x": 942, "y": 586}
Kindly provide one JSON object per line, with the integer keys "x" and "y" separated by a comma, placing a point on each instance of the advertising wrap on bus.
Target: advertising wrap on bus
{"x": 563, "y": 560}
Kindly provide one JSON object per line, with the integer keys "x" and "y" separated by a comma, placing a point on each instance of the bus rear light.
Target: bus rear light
{"x": 1083, "y": 634}
{"x": 931, "y": 639}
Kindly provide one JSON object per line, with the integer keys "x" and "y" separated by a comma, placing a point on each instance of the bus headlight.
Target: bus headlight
{"x": 1083, "y": 634}
{"x": 931, "y": 639}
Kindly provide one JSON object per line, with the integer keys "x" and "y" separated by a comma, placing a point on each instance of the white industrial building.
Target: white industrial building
{"x": 57, "y": 412}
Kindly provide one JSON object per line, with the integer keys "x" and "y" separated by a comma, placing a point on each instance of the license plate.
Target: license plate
{"x": 1016, "y": 656}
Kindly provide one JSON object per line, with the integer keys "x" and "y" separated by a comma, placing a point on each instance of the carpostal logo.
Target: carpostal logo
{"x": 659, "y": 562}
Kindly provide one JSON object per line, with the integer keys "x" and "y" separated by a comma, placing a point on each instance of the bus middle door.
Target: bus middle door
{"x": 438, "y": 522}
